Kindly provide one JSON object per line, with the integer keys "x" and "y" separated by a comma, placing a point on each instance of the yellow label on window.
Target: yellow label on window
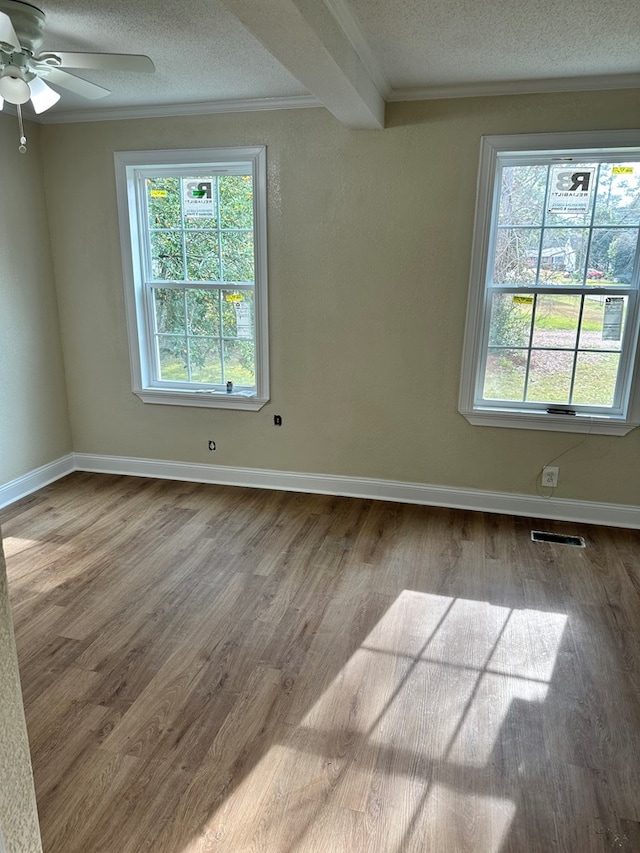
{"x": 523, "y": 300}
{"x": 158, "y": 193}
{"x": 233, "y": 297}
{"x": 622, "y": 170}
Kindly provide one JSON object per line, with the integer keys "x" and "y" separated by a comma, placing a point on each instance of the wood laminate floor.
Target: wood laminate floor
{"x": 217, "y": 669}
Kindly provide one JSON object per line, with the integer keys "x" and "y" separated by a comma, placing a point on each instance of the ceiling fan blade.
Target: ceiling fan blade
{"x": 7, "y": 33}
{"x": 75, "y": 84}
{"x": 42, "y": 96}
{"x": 103, "y": 61}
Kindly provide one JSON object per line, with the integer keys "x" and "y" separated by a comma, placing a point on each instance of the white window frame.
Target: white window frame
{"x": 128, "y": 165}
{"x": 476, "y": 332}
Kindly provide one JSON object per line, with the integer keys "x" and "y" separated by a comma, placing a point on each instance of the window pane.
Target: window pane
{"x": 563, "y": 255}
{"x": 603, "y": 321}
{"x": 169, "y": 308}
{"x": 206, "y": 366}
{"x": 556, "y": 323}
{"x": 203, "y": 312}
{"x": 166, "y": 256}
{"x": 510, "y": 319}
{"x": 505, "y": 374}
{"x": 611, "y": 255}
{"x": 203, "y": 262}
{"x": 522, "y": 194}
{"x": 240, "y": 362}
{"x": 236, "y": 201}
{"x": 618, "y": 201}
{"x": 595, "y": 382}
{"x": 172, "y": 351}
{"x": 163, "y": 202}
{"x": 598, "y": 265}
{"x": 516, "y": 257}
{"x": 549, "y": 376}
{"x": 237, "y": 256}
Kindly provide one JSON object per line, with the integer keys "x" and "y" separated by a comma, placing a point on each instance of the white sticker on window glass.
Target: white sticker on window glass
{"x": 612, "y": 323}
{"x": 197, "y": 198}
{"x": 570, "y": 190}
{"x": 244, "y": 327}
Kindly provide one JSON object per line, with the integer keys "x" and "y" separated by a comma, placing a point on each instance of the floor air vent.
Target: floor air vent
{"x": 558, "y": 538}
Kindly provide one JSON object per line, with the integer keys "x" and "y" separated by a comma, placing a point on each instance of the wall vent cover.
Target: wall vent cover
{"x": 558, "y": 538}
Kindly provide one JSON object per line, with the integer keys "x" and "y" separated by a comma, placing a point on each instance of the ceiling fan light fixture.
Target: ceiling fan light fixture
{"x": 8, "y": 35}
{"x": 12, "y": 87}
{"x": 43, "y": 96}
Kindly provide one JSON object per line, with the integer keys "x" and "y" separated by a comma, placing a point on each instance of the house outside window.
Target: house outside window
{"x": 193, "y": 232}
{"x": 553, "y": 319}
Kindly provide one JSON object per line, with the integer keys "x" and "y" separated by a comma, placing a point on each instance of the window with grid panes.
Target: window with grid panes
{"x": 193, "y": 226}
{"x": 552, "y": 326}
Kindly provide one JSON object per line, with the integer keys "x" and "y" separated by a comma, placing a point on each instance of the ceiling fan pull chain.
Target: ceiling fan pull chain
{"x": 22, "y": 148}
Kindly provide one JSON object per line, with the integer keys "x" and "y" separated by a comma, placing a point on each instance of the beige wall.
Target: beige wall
{"x": 369, "y": 249}
{"x": 18, "y": 815}
{"x": 34, "y": 426}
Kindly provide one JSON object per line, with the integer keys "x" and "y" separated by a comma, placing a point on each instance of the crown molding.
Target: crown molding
{"x": 168, "y": 110}
{"x": 423, "y": 93}
{"x": 517, "y": 87}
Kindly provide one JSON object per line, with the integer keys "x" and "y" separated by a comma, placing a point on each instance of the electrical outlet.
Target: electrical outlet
{"x": 212, "y": 445}
{"x": 550, "y": 476}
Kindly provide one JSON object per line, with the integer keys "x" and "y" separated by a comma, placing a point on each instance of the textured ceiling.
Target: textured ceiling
{"x": 201, "y": 51}
{"x": 442, "y": 42}
{"x": 350, "y": 55}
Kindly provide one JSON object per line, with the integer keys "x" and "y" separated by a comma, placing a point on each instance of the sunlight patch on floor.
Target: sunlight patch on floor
{"x": 14, "y": 545}
{"x": 402, "y": 740}
{"x": 467, "y": 821}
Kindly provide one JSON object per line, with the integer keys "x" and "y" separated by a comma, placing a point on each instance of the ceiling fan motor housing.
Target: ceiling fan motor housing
{"x": 28, "y": 22}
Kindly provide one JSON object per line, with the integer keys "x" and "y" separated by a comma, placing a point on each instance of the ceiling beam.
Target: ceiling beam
{"x": 306, "y": 39}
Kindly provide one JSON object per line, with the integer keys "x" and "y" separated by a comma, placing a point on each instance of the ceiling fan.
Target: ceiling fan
{"x": 24, "y": 70}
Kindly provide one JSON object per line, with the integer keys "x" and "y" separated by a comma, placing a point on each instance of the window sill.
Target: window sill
{"x": 515, "y": 419}
{"x": 199, "y": 399}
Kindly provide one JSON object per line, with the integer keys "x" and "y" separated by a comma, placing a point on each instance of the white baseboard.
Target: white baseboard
{"x": 559, "y": 509}
{"x": 36, "y": 479}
